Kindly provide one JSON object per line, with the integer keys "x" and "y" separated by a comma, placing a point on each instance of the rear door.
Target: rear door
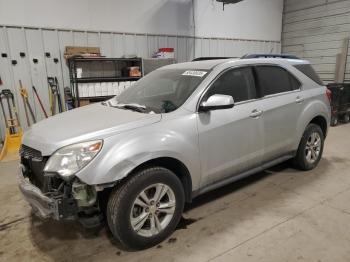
{"x": 282, "y": 104}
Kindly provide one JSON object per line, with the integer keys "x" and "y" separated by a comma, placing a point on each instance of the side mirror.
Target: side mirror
{"x": 216, "y": 102}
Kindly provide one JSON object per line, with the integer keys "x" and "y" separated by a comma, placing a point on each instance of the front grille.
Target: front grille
{"x": 30, "y": 153}
{"x": 34, "y": 164}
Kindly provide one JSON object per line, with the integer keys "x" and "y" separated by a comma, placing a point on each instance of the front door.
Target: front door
{"x": 230, "y": 140}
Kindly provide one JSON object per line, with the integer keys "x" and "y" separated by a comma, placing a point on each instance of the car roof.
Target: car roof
{"x": 203, "y": 64}
{"x": 210, "y": 64}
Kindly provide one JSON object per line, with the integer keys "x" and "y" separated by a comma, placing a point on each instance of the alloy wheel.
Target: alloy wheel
{"x": 152, "y": 210}
{"x": 313, "y": 147}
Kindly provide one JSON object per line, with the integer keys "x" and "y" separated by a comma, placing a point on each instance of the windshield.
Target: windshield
{"x": 162, "y": 91}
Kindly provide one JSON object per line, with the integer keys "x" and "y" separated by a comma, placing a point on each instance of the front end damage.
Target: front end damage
{"x": 53, "y": 197}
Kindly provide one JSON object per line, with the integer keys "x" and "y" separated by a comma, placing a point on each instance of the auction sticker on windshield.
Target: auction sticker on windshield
{"x": 194, "y": 73}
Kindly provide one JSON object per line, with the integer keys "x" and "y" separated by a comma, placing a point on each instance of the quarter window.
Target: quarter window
{"x": 238, "y": 83}
{"x": 310, "y": 72}
{"x": 273, "y": 80}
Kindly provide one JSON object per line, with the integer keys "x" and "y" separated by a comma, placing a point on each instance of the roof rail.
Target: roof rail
{"x": 286, "y": 56}
{"x": 210, "y": 58}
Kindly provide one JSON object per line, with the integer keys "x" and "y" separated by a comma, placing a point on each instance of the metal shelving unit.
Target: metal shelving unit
{"x": 99, "y": 70}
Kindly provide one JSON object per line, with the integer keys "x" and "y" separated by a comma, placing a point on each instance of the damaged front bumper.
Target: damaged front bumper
{"x": 42, "y": 205}
{"x": 73, "y": 201}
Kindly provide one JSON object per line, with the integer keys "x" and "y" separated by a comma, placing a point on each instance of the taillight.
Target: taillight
{"x": 329, "y": 95}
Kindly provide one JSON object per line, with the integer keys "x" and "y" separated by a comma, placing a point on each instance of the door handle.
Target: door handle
{"x": 256, "y": 113}
{"x": 299, "y": 100}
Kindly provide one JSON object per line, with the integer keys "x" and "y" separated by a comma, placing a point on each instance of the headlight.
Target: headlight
{"x": 70, "y": 159}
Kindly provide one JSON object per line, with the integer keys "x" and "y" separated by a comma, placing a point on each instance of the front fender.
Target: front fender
{"x": 123, "y": 153}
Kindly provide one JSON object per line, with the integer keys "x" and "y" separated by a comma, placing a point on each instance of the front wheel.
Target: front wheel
{"x": 310, "y": 148}
{"x": 146, "y": 209}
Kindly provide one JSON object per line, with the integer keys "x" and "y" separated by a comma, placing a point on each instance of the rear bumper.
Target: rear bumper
{"x": 42, "y": 205}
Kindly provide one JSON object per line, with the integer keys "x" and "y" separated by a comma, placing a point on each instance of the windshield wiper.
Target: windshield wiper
{"x": 132, "y": 106}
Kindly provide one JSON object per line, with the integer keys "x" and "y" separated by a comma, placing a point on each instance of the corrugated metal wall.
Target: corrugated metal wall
{"x": 36, "y": 42}
{"x": 314, "y": 30}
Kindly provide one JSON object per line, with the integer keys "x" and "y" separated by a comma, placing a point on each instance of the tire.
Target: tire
{"x": 123, "y": 209}
{"x": 346, "y": 118}
{"x": 334, "y": 120}
{"x": 303, "y": 159}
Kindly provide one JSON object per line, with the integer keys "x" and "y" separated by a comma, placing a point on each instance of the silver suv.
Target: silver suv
{"x": 180, "y": 131}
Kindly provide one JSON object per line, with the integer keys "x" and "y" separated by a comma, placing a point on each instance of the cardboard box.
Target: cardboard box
{"x": 81, "y": 51}
{"x": 121, "y": 87}
{"x": 83, "y": 90}
{"x": 84, "y": 102}
{"x": 98, "y": 90}
{"x": 110, "y": 89}
{"x": 79, "y": 72}
{"x": 134, "y": 71}
{"x": 86, "y": 89}
{"x": 80, "y": 90}
{"x": 104, "y": 89}
{"x": 75, "y": 50}
{"x": 91, "y": 87}
{"x": 115, "y": 88}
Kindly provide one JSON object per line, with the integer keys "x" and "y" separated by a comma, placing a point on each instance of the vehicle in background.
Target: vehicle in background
{"x": 180, "y": 131}
{"x": 340, "y": 102}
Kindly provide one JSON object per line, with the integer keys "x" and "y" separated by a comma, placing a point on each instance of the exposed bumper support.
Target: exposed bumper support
{"x": 43, "y": 206}
{"x": 58, "y": 206}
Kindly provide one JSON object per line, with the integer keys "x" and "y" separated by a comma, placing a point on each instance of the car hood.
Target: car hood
{"x": 95, "y": 121}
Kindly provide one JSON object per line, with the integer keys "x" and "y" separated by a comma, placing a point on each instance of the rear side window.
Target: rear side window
{"x": 274, "y": 80}
{"x": 238, "y": 83}
{"x": 307, "y": 70}
{"x": 295, "y": 83}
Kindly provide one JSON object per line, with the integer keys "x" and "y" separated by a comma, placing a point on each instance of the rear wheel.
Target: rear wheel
{"x": 146, "y": 209}
{"x": 310, "y": 148}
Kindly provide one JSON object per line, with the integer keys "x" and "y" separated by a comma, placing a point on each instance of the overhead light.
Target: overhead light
{"x": 227, "y": 2}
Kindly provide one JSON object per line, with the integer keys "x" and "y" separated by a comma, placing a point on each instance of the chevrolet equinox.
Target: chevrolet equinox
{"x": 178, "y": 132}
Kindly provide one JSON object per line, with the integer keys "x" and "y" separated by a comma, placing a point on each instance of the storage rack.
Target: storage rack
{"x": 108, "y": 70}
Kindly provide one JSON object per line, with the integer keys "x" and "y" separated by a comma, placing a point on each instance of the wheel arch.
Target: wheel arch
{"x": 321, "y": 122}
{"x": 174, "y": 165}
{"x": 315, "y": 111}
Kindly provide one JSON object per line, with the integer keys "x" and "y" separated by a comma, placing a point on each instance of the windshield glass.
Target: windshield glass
{"x": 164, "y": 90}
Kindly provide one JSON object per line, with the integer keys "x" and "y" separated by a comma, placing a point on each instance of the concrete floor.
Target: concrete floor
{"x": 277, "y": 215}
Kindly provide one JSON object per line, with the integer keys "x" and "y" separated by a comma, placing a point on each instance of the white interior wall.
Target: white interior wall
{"x": 136, "y": 16}
{"x": 249, "y": 19}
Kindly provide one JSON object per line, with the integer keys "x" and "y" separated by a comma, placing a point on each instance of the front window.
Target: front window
{"x": 164, "y": 90}
{"x": 238, "y": 83}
